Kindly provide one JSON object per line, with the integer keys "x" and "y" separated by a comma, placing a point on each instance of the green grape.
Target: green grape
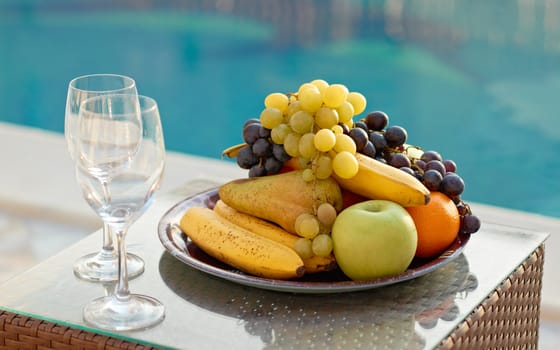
{"x": 308, "y": 175}
{"x": 337, "y": 129}
{"x": 302, "y": 246}
{"x": 344, "y": 143}
{"x": 326, "y": 214}
{"x": 310, "y": 98}
{"x": 323, "y": 167}
{"x": 334, "y": 95}
{"x": 326, "y": 117}
{"x": 345, "y": 165}
{"x": 307, "y": 225}
{"x": 271, "y": 117}
{"x": 322, "y": 245}
{"x": 279, "y": 133}
{"x": 345, "y": 112}
{"x": 307, "y": 145}
{"x": 358, "y": 101}
{"x": 303, "y": 87}
{"x": 320, "y": 84}
{"x": 301, "y": 122}
{"x": 324, "y": 140}
{"x": 277, "y": 100}
{"x": 293, "y": 107}
{"x": 291, "y": 144}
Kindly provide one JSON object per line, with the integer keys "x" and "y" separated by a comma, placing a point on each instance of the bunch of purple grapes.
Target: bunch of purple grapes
{"x": 374, "y": 138}
{"x": 261, "y": 156}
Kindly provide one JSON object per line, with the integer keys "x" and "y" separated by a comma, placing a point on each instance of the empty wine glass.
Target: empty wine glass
{"x": 102, "y": 265}
{"x": 121, "y": 157}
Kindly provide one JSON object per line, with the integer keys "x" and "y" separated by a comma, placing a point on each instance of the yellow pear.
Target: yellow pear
{"x": 280, "y": 198}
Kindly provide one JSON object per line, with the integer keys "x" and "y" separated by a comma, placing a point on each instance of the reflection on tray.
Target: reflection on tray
{"x": 382, "y": 317}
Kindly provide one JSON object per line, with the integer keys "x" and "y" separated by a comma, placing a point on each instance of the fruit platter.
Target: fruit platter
{"x": 335, "y": 199}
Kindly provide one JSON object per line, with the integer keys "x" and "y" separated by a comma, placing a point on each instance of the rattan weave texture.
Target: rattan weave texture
{"x": 22, "y": 332}
{"x": 509, "y": 317}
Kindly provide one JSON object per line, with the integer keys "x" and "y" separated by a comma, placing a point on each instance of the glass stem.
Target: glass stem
{"x": 108, "y": 249}
{"x": 107, "y": 239}
{"x": 122, "y": 293}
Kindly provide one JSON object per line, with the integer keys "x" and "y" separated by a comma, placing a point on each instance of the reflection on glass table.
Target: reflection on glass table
{"x": 383, "y": 317}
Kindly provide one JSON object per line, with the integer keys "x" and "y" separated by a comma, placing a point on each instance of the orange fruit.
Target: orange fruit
{"x": 437, "y": 224}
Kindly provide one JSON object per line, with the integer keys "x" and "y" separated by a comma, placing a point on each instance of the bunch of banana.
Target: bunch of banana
{"x": 239, "y": 247}
{"x": 376, "y": 180}
{"x": 268, "y": 230}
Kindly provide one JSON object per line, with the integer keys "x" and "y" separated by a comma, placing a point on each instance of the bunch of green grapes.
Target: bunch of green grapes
{"x": 315, "y": 232}
{"x": 310, "y": 125}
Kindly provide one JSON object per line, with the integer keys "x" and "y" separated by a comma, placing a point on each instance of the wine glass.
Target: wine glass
{"x": 121, "y": 157}
{"x": 102, "y": 265}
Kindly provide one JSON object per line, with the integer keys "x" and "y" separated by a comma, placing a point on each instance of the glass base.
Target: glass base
{"x": 138, "y": 312}
{"x": 103, "y": 267}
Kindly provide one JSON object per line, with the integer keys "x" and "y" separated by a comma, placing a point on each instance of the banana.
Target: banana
{"x": 255, "y": 225}
{"x": 319, "y": 264}
{"x": 376, "y": 180}
{"x": 271, "y": 231}
{"x": 231, "y": 152}
{"x": 239, "y": 247}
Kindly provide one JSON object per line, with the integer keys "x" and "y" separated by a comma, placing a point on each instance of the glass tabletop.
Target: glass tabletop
{"x": 206, "y": 312}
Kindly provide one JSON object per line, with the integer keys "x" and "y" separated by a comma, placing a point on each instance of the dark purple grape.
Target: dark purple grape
{"x": 450, "y": 166}
{"x": 360, "y": 124}
{"x": 408, "y": 170}
{"x": 359, "y": 136}
{"x": 435, "y": 165}
{"x": 452, "y": 185}
{"x": 246, "y": 158}
{"x": 262, "y": 148}
{"x": 264, "y": 132}
{"x": 251, "y": 121}
{"x": 376, "y": 120}
{"x": 469, "y": 224}
{"x": 395, "y": 136}
{"x": 399, "y": 160}
{"x": 280, "y": 153}
{"x": 432, "y": 179}
{"x": 273, "y": 165}
{"x": 368, "y": 150}
{"x": 420, "y": 164}
{"x": 257, "y": 170}
{"x": 378, "y": 141}
{"x": 431, "y": 155}
{"x": 251, "y": 133}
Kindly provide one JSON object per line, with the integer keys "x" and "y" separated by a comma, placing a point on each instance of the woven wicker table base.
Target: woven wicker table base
{"x": 509, "y": 318}
{"x": 21, "y": 332}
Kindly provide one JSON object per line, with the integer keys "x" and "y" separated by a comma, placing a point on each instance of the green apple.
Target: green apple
{"x": 374, "y": 238}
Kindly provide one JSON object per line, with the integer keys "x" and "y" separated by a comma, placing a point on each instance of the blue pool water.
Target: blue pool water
{"x": 477, "y": 80}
